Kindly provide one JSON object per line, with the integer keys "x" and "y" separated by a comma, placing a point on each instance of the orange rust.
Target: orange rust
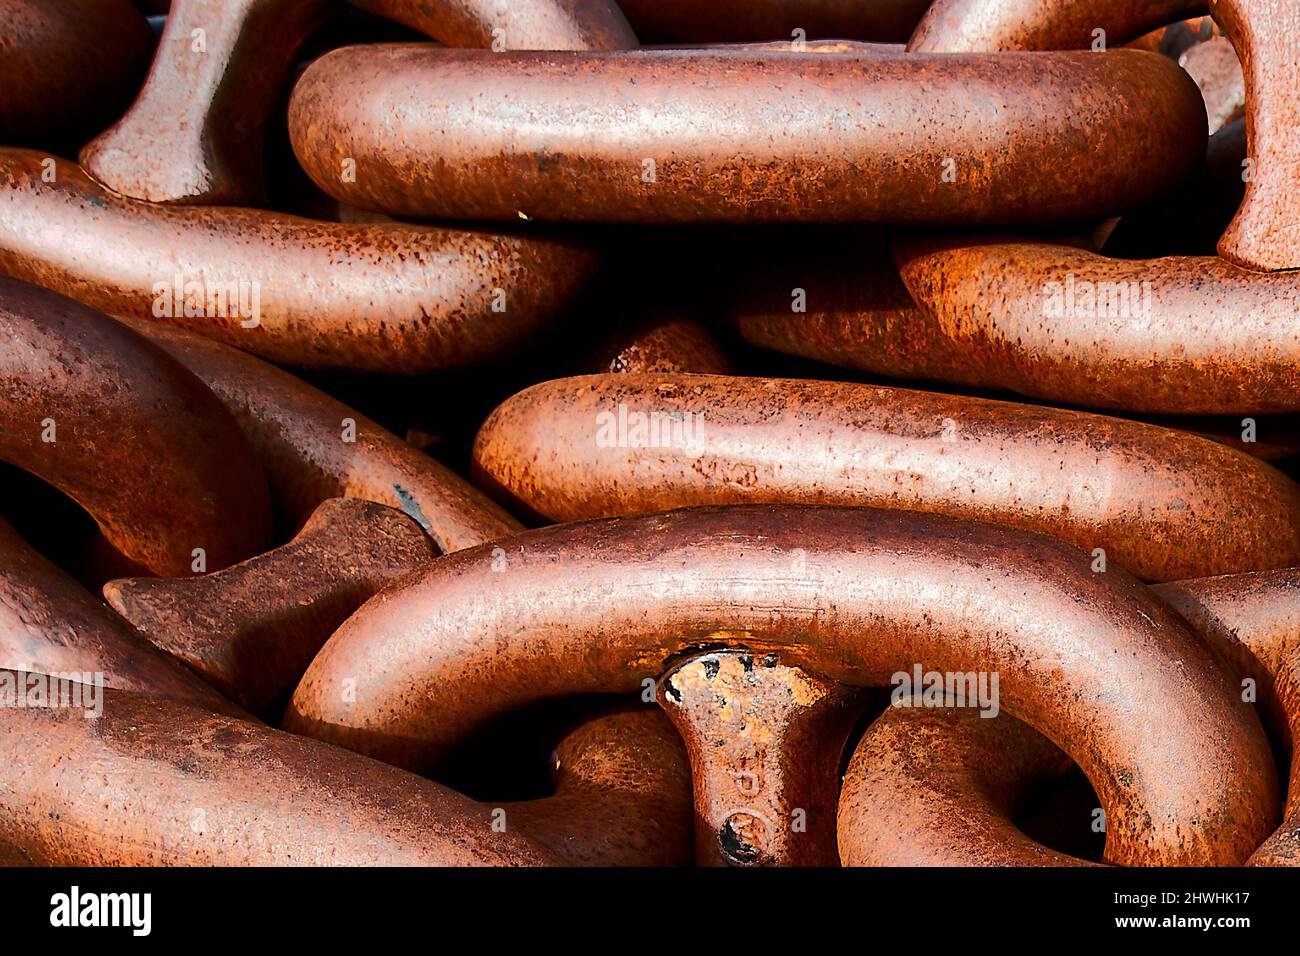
{"x": 94, "y": 409}
{"x": 251, "y": 630}
{"x": 1162, "y": 503}
{"x": 1184, "y": 334}
{"x": 177, "y": 785}
{"x": 677, "y": 21}
{"x": 764, "y": 740}
{"x": 518, "y": 25}
{"x": 1263, "y": 236}
{"x": 688, "y": 136}
{"x": 417, "y": 299}
{"x": 852, "y": 595}
{"x": 942, "y": 786}
{"x": 52, "y": 625}
{"x": 622, "y": 795}
{"x": 195, "y": 133}
{"x": 302, "y": 436}
{"x": 969, "y": 26}
{"x": 663, "y": 343}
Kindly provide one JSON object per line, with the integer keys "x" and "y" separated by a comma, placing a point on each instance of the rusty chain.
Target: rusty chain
{"x": 833, "y": 433}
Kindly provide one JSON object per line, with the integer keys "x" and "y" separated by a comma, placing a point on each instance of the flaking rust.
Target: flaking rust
{"x": 764, "y": 740}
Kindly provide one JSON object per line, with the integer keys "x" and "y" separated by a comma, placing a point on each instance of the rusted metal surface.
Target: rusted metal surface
{"x": 764, "y": 741}
{"x": 622, "y": 795}
{"x": 1180, "y": 335}
{"x": 67, "y": 68}
{"x": 51, "y": 624}
{"x": 1265, "y": 235}
{"x": 1161, "y": 503}
{"x": 180, "y": 786}
{"x": 1177, "y": 38}
{"x": 1190, "y": 220}
{"x": 1253, "y": 622}
{"x": 251, "y": 630}
{"x": 313, "y": 447}
{"x": 665, "y": 343}
{"x": 854, "y": 309}
{"x": 852, "y": 595}
{"x": 1283, "y": 847}
{"x": 836, "y": 297}
{"x": 518, "y": 25}
{"x": 93, "y": 409}
{"x": 195, "y": 133}
{"x": 969, "y": 26}
{"x": 1201, "y": 48}
{"x": 1225, "y": 340}
{"x": 416, "y": 299}
{"x": 860, "y": 47}
{"x": 719, "y": 136}
{"x": 941, "y": 787}
{"x": 1282, "y": 441}
{"x": 1217, "y": 72}
{"x": 830, "y": 537}
{"x": 675, "y": 21}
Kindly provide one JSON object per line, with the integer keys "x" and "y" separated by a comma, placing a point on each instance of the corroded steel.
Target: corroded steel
{"x": 96, "y": 411}
{"x": 1189, "y": 220}
{"x": 181, "y": 786}
{"x": 852, "y": 595}
{"x": 1162, "y": 503}
{"x": 675, "y": 21}
{"x": 764, "y": 740}
{"x": 663, "y": 343}
{"x": 1264, "y": 234}
{"x": 622, "y": 795}
{"x": 251, "y": 630}
{"x": 941, "y": 786}
{"x": 971, "y": 26}
{"x": 517, "y": 25}
{"x": 51, "y": 624}
{"x": 195, "y": 133}
{"x": 830, "y": 537}
{"x": 1180, "y": 334}
{"x": 416, "y": 299}
{"x": 744, "y": 136}
{"x": 313, "y": 447}
{"x": 1217, "y": 72}
{"x": 1253, "y": 622}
